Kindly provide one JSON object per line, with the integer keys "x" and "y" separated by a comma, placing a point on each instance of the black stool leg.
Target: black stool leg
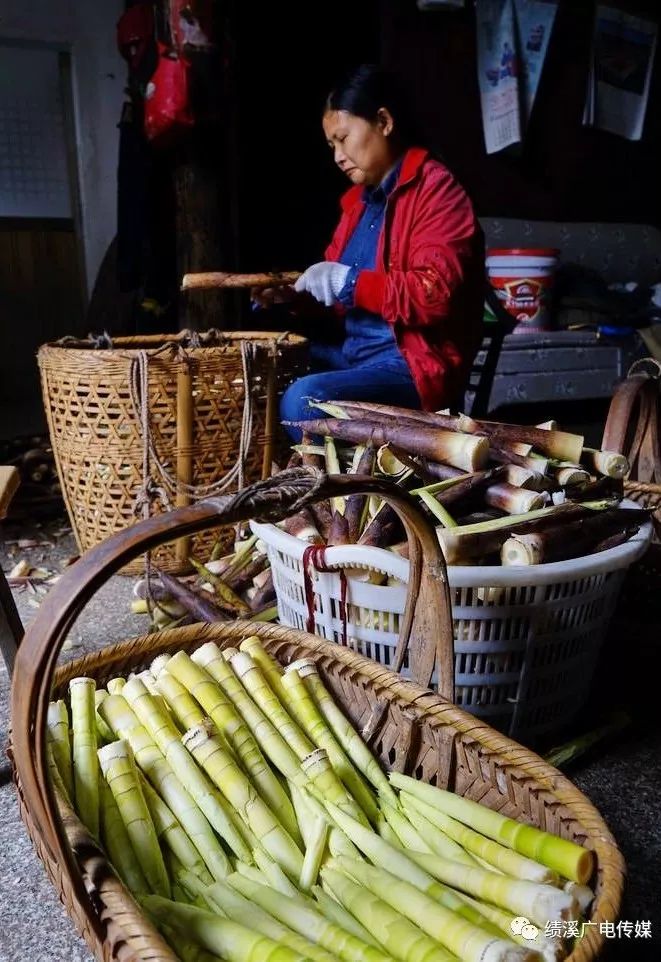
{"x": 11, "y": 632}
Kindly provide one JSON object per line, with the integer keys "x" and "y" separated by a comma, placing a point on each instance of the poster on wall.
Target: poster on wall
{"x": 535, "y": 19}
{"x": 512, "y": 41}
{"x": 621, "y": 69}
{"x": 498, "y": 73}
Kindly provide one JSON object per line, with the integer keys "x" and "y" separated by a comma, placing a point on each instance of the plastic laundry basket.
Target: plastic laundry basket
{"x": 526, "y": 638}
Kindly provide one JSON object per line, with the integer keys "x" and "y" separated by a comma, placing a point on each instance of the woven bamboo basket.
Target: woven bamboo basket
{"x": 648, "y": 496}
{"x": 409, "y": 727}
{"x": 140, "y": 424}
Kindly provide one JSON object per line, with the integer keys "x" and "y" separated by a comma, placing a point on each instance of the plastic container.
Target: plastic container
{"x": 523, "y": 281}
{"x": 527, "y": 639}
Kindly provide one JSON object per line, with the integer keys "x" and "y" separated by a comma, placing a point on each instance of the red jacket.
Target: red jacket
{"x": 429, "y": 279}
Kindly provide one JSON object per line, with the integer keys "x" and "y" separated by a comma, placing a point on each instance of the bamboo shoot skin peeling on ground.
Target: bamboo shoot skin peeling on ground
{"x": 358, "y": 865}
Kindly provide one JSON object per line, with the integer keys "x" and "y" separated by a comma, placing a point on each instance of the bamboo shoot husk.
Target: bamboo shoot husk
{"x": 513, "y": 500}
{"x": 553, "y": 444}
{"x": 437, "y": 471}
{"x": 207, "y": 280}
{"x": 356, "y": 504}
{"x": 467, "y": 488}
{"x": 567, "y": 475}
{"x": 476, "y": 541}
{"x": 201, "y": 608}
{"x": 558, "y": 444}
{"x": 609, "y": 463}
{"x": 522, "y": 477}
{"x": 570, "y": 539}
{"x": 339, "y": 531}
{"x": 359, "y": 410}
{"x": 607, "y": 488}
{"x": 301, "y": 525}
{"x": 469, "y": 452}
{"x": 389, "y": 464}
{"x": 505, "y": 454}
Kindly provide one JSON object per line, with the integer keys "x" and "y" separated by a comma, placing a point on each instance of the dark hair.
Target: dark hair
{"x": 367, "y": 88}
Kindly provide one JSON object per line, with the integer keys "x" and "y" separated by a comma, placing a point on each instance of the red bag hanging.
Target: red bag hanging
{"x": 168, "y": 112}
{"x": 135, "y": 31}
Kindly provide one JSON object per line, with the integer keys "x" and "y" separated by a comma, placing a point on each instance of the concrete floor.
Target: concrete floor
{"x": 622, "y": 777}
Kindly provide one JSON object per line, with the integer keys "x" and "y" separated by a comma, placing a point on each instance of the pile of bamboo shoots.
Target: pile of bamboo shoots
{"x": 237, "y": 585}
{"x": 253, "y": 824}
{"x": 497, "y": 493}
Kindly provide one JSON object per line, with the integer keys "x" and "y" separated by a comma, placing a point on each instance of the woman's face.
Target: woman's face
{"x": 363, "y": 150}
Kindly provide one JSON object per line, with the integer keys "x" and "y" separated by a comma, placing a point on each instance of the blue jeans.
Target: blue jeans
{"x": 383, "y": 380}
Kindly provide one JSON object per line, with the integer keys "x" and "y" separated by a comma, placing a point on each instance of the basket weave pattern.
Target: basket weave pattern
{"x": 422, "y": 735}
{"x": 97, "y": 436}
{"x": 647, "y": 496}
{"x": 409, "y": 728}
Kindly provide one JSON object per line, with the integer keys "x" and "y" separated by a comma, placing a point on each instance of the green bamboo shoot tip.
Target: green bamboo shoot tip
{"x": 401, "y": 938}
{"x": 121, "y": 774}
{"x": 59, "y": 738}
{"x": 469, "y": 942}
{"x": 342, "y": 729}
{"x": 570, "y": 860}
{"x": 304, "y": 918}
{"x": 85, "y": 762}
{"x": 246, "y": 912}
{"x": 210, "y": 754}
{"x": 223, "y": 937}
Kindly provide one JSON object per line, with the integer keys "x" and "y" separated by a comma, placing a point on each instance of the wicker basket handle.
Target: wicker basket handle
{"x": 426, "y": 624}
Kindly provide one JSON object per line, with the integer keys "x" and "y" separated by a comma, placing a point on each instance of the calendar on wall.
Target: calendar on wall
{"x": 34, "y": 177}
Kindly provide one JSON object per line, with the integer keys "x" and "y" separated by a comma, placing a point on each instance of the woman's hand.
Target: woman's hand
{"x": 324, "y": 281}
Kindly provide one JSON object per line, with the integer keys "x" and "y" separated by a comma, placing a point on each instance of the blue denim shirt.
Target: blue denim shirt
{"x": 368, "y": 336}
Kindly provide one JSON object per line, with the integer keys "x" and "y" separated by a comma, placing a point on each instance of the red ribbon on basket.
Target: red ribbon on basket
{"x": 314, "y": 559}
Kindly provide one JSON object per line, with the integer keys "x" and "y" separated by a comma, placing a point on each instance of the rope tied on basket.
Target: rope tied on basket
{"x": 314, "y": 559}
{"x": 139, "y": 389}
{"x": 148, "y": 493}
{"x": 97, "y": 341}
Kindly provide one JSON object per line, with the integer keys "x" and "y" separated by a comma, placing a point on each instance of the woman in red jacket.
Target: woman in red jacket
{"x": 405, "y": 267}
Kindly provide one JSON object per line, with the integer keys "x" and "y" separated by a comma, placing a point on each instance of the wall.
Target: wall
{"x": 88, "y": 31}
{"x": 562, "y": 171}
{"x": 289, "y": 187}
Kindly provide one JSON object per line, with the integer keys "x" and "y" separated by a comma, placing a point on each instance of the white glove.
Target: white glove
{"x": 324, "y": 281}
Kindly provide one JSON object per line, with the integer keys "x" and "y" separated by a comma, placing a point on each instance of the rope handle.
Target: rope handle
{"x": 426, "y": 626}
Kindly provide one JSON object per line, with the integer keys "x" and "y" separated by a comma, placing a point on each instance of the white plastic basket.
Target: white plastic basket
{"x": 526, "y": 638}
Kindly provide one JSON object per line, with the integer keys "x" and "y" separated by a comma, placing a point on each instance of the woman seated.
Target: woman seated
{"x": 404, "y": 269}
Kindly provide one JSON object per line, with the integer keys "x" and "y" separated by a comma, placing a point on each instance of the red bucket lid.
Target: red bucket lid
{"x": 523, "y": 251}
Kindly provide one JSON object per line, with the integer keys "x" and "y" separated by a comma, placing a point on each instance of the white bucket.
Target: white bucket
{"x": 523, "y": 281}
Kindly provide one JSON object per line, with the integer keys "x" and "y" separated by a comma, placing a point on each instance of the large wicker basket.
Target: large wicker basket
{"x": 409, "y": 727}
{"x": 105, "y": 400}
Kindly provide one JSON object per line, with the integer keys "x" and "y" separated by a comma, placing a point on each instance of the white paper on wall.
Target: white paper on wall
{"x": 512, "y": 41}
{"x": 535, "y": 19}
{"x": 498, "y": 73}
{"x": 620, "y": 72}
